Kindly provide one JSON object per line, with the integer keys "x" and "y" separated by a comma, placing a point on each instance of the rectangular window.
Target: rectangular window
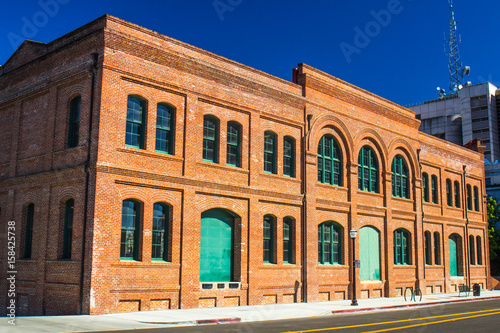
{"x": 427, "y": 244}
{"x": 435, "y": 189}
{"x": 160, "y": 232}
{"x": 210, "y": 139}
{"x": 129, "y": 248}
{"x": 476, "y": 199}
{"x": 289, "y": 157}
{"x": 469, "y": 197}
{"x": 270, "y": 152}
{"x": 28, "y": 233}
{"x": 164, "y": 133}
{"x": 68, "y": 228}
{"x": 449, "y": 194}
{"x": 233, "y": 144}
{"x": 268, "y": 233}
{"x": 287, "y": 241}
{"x": 457, "y": 194}
{"x": 134, "y": 133}
{"x": 437, "y": 249}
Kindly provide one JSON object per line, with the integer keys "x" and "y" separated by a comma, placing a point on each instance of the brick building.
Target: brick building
{"x": 144, "y": 173}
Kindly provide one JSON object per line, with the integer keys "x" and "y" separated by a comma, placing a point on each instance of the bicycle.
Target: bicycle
{"x": 413, "y": 295}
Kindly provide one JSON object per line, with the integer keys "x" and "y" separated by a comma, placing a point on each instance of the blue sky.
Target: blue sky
{"x": 400, "y": 57}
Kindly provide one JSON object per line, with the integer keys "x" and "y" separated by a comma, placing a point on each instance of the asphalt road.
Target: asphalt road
{"x": 477, "y": 316}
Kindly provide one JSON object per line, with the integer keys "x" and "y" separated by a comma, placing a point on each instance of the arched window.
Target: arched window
{"x": 425, "y": 186}
{"x": 28, "y": 230}
{"x": 400, "y": 178}
{"x": 456, "y": 185}
{"x": 428, "y": 249}
{"x": 449, "y": 194}
{"x": 165, "y": 120}
{"x": 130, "y": 236}
{"x": 367, "y": 170}
{"x": 289, "y": 156}
{"x": 74, "y": 122}
{"x": 476, "y": 199}
{"x": 329, "y": 243}
{"x": 69, "y": 207}
{"x": 210, "y": 139}
{"x": 369, "y": 253}
{"x": 233, "y": 153}
{"x": 288, "y": 240}
{"x": 161, "y": 232}
{"x": 329, "y": 161}
{"x": 268, "y": 237}
{"x": 435, "y": 189}
{"x": 472, "y": 250}
{"x": 469, "y": 197}
{"x": 136, "y": 113}
{"x": 455, "y": 253}
{"x": 479, "y": 251}
{"x": 270, "y": 144}
{"x": 402, "y": 247}
{"x": 437, "y": 248}
{"x": 217, "y": 247}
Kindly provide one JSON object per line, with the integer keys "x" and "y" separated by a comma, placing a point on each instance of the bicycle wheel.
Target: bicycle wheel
{"x": 408, "y": 293}
{"x": 417, "y": 294}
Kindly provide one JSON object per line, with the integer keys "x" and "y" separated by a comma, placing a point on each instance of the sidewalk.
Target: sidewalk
{"x": 255, "y": 313}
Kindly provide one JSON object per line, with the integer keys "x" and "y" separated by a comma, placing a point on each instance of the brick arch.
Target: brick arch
{"x": 238, "y": 207}
{"x": 67, "y": 193}
{"x": 133, "y": 193}
{"x": 138, "y": 90}
{"x": 331, "y": 124}
{"x": 164, "y": 197}
{"x": 403, "y": 147}
{"x": 28, "y": 198}
{"x": 368, "y": 137}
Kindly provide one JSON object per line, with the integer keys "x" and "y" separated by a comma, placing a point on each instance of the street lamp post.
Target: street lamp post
{"x": 353, "y": 233}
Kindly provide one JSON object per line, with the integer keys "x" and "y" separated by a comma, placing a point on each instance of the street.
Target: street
{"x": 477, "y": 316}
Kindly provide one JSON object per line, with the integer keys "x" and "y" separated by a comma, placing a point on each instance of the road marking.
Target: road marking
{"x": 396, "y": 321}
{"x": 432, "y": 323}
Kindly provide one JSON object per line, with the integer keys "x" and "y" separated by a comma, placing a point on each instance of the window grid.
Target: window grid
{"x": 233, "y": 155}
{"x": 399, "y": 178}
{"x": 329, "y": 161}
{"x": 136, "y": 110}
{"x": 74, "y": 122}
{"x": 401, "y": 247}
{"x": 210, "y": 139}
{"x": 472, "y": 250}
{"x": 479, "y": 250}
{"x": 457, "y": 194}
{"x": 288, "y": 240}
{"x": 329, "y": 243}
{"x": 160, "y": 232}
{"x": 367, "y": 170}
{"x": 129, "y": 246}
{"x": 289, "y": 157}
{"x": 164, "y": 125}
{"x": 68, "y": 228}
{"x": 437, "y": 248}
{"x": 425, "y": 186}
{"x": 476, "y": 198}
{"x": 435, "y": 189}
{"x": 270, "y": 152}
{"x": 28, "y": 236}
{"x": 469, "y": 197}
{"x": 268, "y": 236}
{"x": 449, "y": 194}
{"x": 427, "y": 244}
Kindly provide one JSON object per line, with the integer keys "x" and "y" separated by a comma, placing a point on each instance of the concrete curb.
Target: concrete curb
{"x": 402, "y": 306}
{"x": 196, "y": 322}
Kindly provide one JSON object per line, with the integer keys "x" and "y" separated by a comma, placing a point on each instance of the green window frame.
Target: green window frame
{"x": 476, "y": 198}
{"x": 288, "y": 231}
{"x": 28, "y": 231}
{"x": 136, "y": 113}
{"x": 472, "y": 250}
{"x": 69, "y": 207}
{"x": 330, "y": 243}
{"x": 367, "y": 170}
{"x": 456, "y": 185}
{"x": 449, "y": 194}
{"x": 270, "y": 152}
{"x": 74, "y": 122}
{"x": 400, "y": 181}
{"x": 268, "y": 238}
{"x": 165, "y": 120}
{"x": 469, "y": 197}
{"x": 160, "y": 232}
{"x": 289, "y": 156}
{"x": 211, "y": 139}
{"x": 435, "y": 189}
{"x": 233, "y": 153}
{"x": 425, "y": 186}
{"x": 479, "y": 250}
{"x": 329, "y": 161}
{"x": 130, "y": 231}
{"x": 402, "y": 247}
{"x": 427, "y": 244}
{"x": 437, "y": 248}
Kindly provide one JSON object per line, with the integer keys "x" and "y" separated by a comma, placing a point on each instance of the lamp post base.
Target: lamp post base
{"x": 354, "y": 302}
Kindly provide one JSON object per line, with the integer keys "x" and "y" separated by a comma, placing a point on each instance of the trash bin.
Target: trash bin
{"x": 476, "y": 289}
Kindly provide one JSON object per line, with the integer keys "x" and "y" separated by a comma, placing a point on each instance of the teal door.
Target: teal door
{"x": 216, "y": 246}
{"x": 369, "y": 253}
{"x": 453, "y": 255}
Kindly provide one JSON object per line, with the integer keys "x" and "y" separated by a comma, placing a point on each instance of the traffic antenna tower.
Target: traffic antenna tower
{"x": 455, "y": 67}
